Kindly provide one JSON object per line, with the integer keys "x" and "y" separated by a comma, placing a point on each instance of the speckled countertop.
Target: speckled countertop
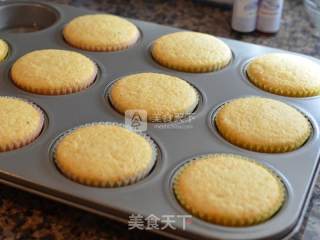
{"x": 25, "y": 216}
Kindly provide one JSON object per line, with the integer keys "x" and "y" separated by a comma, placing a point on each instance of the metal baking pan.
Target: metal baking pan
{"x": 28, "y": 26}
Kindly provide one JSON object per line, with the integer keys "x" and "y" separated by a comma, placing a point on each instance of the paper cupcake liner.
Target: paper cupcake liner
{"x": 21, "y": 143}
{"x": 230, "y": 137}
{"x": 301, "y": 92}
{"x": 158, "y": 118}
{"x": 5, "y": 52}
{"x": 264, "y": 148}
{"x": 56, "y": 91}
{"x": 193, "y": 69}
{"x": 119, "y": 182}
{"x": 105, "y": 48}
{"x": 211, "y": 67}
{"x": 246, "y": 220}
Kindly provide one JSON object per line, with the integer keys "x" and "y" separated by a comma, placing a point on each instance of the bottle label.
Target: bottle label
{"x": 247, "y": 8}
{"x": 270, "y": 7}
{"x": 269, "y": 18}
{"x": 245, "y": 15}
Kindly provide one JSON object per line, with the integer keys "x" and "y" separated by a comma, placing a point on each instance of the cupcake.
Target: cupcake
{"x": 163, "y": 97}
{"x": 262, "y": 125}
{"x": 4, "y": 49}
{"x": 53, "y": 72}
{"x": 191, "y": 52}
{"x": 21, "y": 123}
{"x": 104, "y": 155}
{"x": 285, "y": 74}
{"x": 228, "y": 190}
{"x": 100, "y": 32}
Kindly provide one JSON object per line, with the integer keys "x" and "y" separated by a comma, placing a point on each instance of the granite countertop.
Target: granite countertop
{"x": 25, "y": 216}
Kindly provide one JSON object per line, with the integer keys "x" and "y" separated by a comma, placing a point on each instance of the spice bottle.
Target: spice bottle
{"x": 244, "y": 15}
{"x": 269, "y": 15}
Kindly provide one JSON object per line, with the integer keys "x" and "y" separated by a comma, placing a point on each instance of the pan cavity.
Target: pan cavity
{"x": 26, "y": 17}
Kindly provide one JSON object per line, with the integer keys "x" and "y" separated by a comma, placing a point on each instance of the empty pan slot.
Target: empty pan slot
{"x": 25, "y": 17}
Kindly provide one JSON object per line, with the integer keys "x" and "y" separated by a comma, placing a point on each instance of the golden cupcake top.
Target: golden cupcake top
{"x": 262, "y": 124}
{"x": 101, "y": 32}
{"x": 229, "y": 190}
{"x": 163, "y": 97}
{"x": 285, "y": 74}
{"x": 191, "y": 52}
{"x": 4, "y": 49}
{"x": 104, "y": 155}
{"x": 20, "y": 123}
{"x": 53, "y": 72}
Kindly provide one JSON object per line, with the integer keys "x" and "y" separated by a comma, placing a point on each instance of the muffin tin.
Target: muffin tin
{"x": 27, "y": 26}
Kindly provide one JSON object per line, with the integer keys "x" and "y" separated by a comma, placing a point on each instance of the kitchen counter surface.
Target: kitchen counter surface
{"x": 25, "y": 216}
